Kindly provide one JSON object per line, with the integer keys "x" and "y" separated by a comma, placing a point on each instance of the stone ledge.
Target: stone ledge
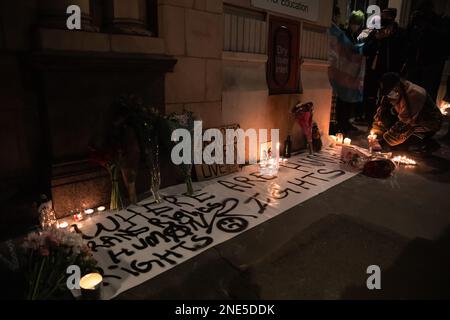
{"x": 137, "y": 44}
{"x": 54, "y": 39}
{"x": 65, "y": 40}
{"x": 244, "y": 57}
{"x": 101, "y": 61}
{"x": 316, "y": 63}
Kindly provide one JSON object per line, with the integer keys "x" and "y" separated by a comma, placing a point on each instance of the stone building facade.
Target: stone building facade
{"x": 198, "y": 55}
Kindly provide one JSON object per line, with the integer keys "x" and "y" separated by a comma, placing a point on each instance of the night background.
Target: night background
{"x": 90, "y": 97}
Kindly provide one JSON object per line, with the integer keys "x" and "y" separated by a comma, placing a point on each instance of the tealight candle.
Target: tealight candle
{"x": 101, "y": 209}
{"x": 62, "y": 225}
{"x": 347, "y": 141}
{"x": 89, "y": 211}
{"x": 90, "y": 286}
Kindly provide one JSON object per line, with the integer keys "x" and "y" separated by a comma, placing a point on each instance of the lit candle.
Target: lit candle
{"x": 339, "y": 138}
{"x": 277, "y": 156}
{"x": 372, "y": 138}
{"x": 445, "y": 108}
{"x": 101, "y": 209}
{"x": 90, "y": 286}
{"x": 347, "y": 141}
{"x": 62, "y": 225}
{"x": 403, "y": 160}
{"x": 333, "y": 141}
{"x": 89, "y": 211}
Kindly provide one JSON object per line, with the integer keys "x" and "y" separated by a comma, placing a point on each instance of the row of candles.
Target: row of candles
{"x": 78, "y": 216}
{"x": 403, "y": 160}
{"x": 372, "y": 139}
{"x": 339, "y": 139}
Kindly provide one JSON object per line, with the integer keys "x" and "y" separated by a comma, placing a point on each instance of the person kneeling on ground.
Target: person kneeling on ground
{"x": 407, "y": 116}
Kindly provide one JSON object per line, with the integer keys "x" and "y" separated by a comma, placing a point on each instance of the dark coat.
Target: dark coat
{"x": 386, "y": 55}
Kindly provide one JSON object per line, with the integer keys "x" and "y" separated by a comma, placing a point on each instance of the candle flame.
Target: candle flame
{"x": 445, "y": 108}
{"x": 403, "y": 160}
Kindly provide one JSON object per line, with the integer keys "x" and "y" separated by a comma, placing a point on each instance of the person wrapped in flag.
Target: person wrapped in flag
{"x": 347, "y": 69}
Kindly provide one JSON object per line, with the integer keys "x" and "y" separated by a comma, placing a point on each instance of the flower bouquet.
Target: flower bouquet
{"x": 185, "y": 120}
{"x": 142, "y": 124}
{"x": 109, "y": 160}
{"x": 303, "y": 113}
{"x": 45, "y": 259}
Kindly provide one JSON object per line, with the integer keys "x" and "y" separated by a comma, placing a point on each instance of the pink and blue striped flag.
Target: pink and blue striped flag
{"x": 347, "y": 66}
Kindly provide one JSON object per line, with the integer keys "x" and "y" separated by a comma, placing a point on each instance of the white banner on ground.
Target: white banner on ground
{"x": 139, "y": 243}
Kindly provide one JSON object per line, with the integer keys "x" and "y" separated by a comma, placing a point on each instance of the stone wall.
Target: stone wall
{"x": 221, "y": 88}
{"x": 192, "y": 30}
{"x": 227, "y": 88}
{"x": 245, "y": 94}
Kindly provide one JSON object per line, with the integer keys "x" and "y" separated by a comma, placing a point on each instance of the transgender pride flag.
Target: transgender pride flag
{"x": 347, "y": 66}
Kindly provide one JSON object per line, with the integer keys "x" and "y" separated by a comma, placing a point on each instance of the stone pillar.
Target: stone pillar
{"x": 52, "y": 14}
{"x": 127, "y": 17}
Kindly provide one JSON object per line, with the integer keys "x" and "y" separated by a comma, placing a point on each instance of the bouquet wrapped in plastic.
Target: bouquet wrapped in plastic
{"x": 303, "y": 114}
{"x": 45, "y": 258}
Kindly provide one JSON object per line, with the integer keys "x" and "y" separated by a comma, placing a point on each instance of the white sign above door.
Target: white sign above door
{"x": 303, "y": 9}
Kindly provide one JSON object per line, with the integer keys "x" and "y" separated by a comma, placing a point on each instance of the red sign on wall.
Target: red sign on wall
{"x": 283, "y": 73}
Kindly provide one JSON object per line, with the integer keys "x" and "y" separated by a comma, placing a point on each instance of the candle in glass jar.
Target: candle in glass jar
{"x": 277, "y": 156}
{"x": 347, "y": 141}
{"x": 333, "y": 141}
{"x": 339, "y": 138}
